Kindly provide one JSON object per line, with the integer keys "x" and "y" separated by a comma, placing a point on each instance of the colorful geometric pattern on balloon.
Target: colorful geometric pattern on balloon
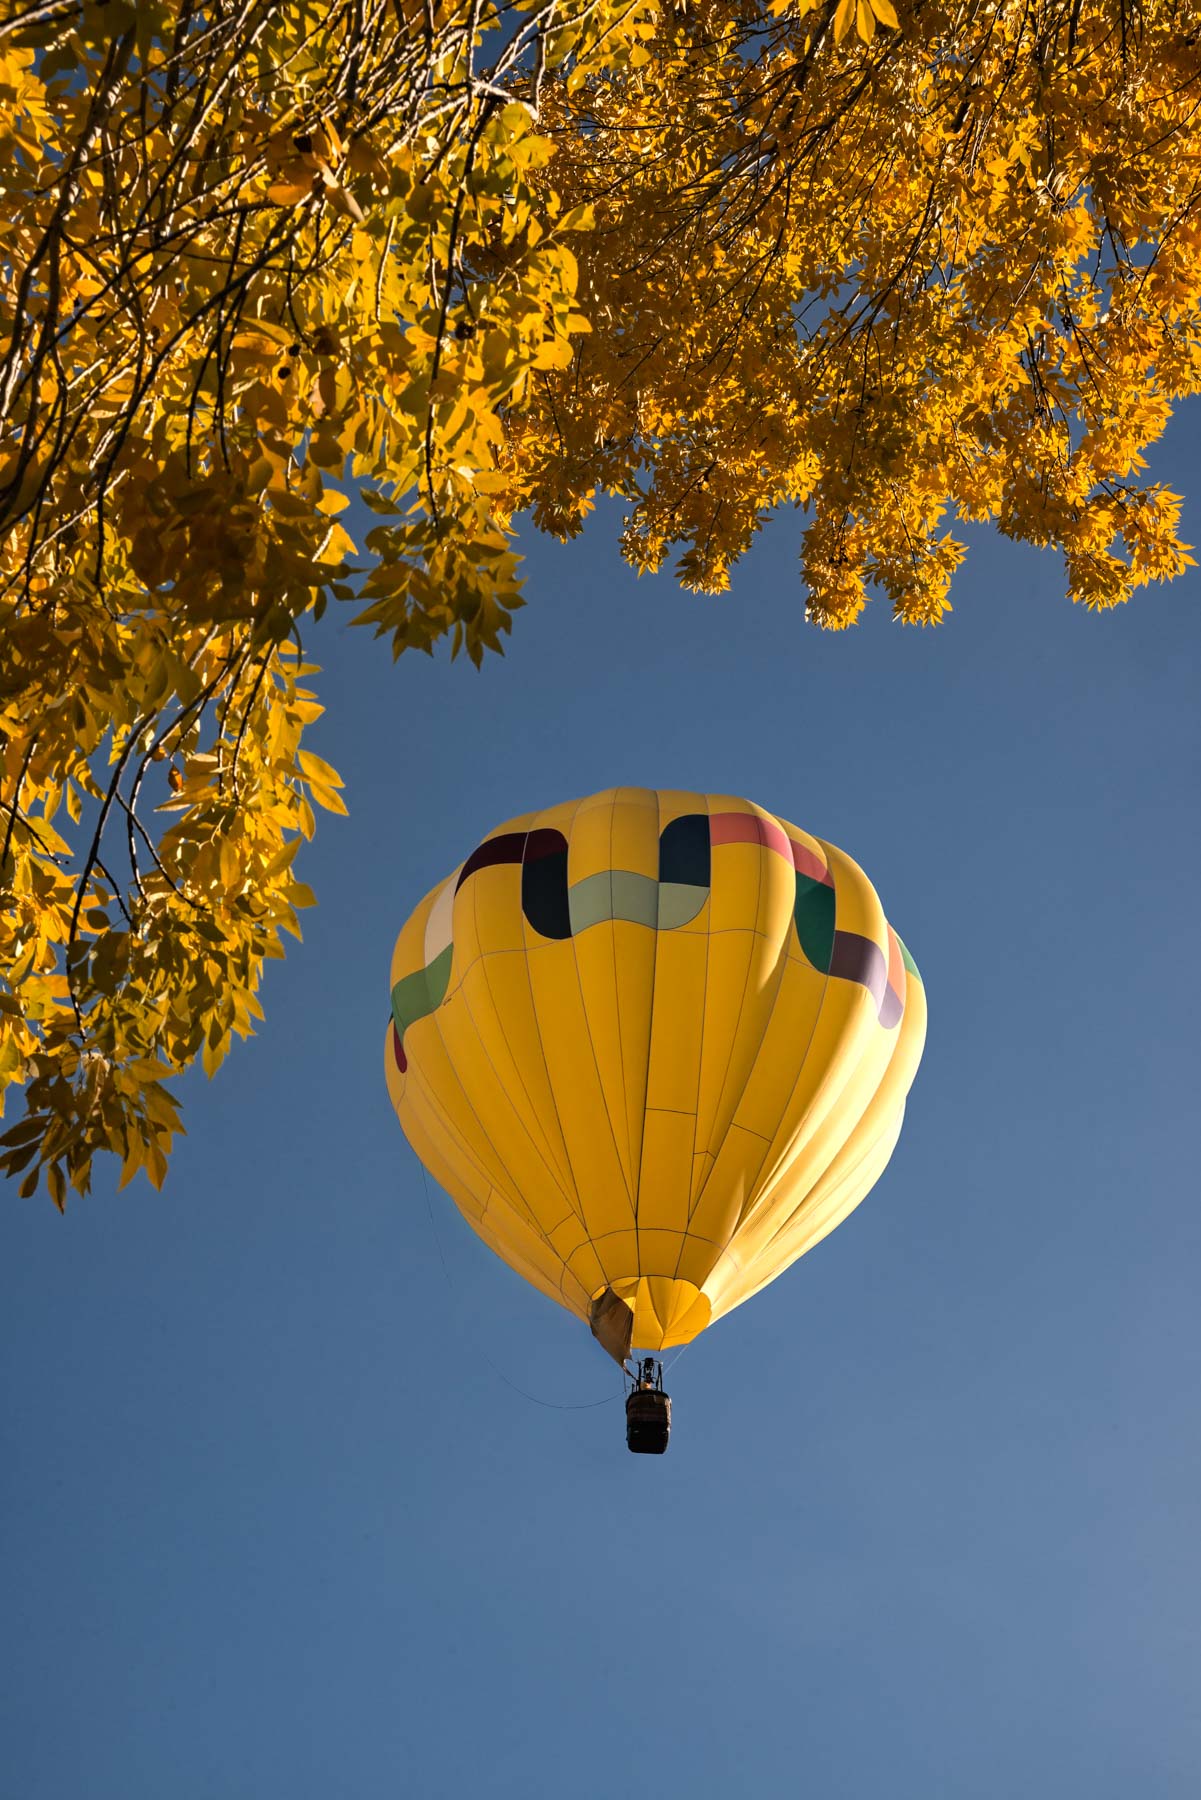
{"x": 556, "y": 910}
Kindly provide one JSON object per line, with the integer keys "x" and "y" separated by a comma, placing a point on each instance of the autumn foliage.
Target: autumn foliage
{"x": 890, "y": 268}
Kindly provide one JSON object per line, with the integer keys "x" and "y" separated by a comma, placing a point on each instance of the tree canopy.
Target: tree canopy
{"x": 483, "y": 263}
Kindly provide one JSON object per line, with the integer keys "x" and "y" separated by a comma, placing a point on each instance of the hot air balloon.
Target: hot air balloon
{"x": 655, "y": 1045}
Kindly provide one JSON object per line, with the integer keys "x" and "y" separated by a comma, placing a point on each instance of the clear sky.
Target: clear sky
{"x": 274, "y": 1526}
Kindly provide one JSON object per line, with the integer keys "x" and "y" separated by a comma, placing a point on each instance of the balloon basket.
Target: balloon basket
{"x": 648, "y": 1410}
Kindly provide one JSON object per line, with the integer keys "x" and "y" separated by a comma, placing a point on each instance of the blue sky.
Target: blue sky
{"x": 274, "y": 1525}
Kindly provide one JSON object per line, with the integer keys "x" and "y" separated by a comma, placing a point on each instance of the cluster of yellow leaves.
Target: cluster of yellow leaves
{"x": 954, "y": 269}
{"x": 247, "y": 252}
{"x": 864, "y": 15}
{"x": 484, "y": 261}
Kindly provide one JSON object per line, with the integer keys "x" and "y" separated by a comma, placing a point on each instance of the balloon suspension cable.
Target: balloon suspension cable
{"x": 553, "y": 1405}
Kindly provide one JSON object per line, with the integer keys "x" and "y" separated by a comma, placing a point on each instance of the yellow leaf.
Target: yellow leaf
{"x": 146, "y": 1069}
{"x": 318, "y": 770}
{"x": 886, "y": 13}
{"x": 289, "y": 192}
{"x": 282, "y": 858}
{"x": 343, "y": 201}
{"x": 577, "y": 218}
{"x": 553, "y": 353}
{"x": 328, "y": 799}
{"x": 130, "y": 1166}
{"x": 843, "y": 19}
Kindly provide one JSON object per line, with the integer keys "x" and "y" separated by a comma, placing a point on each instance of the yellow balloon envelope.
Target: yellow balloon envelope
{"x": 655, "y": 1046}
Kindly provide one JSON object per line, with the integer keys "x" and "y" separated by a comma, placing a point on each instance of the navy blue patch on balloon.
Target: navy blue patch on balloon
{"x": 684, "y": 850}
{"x": 544, "y": 883}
